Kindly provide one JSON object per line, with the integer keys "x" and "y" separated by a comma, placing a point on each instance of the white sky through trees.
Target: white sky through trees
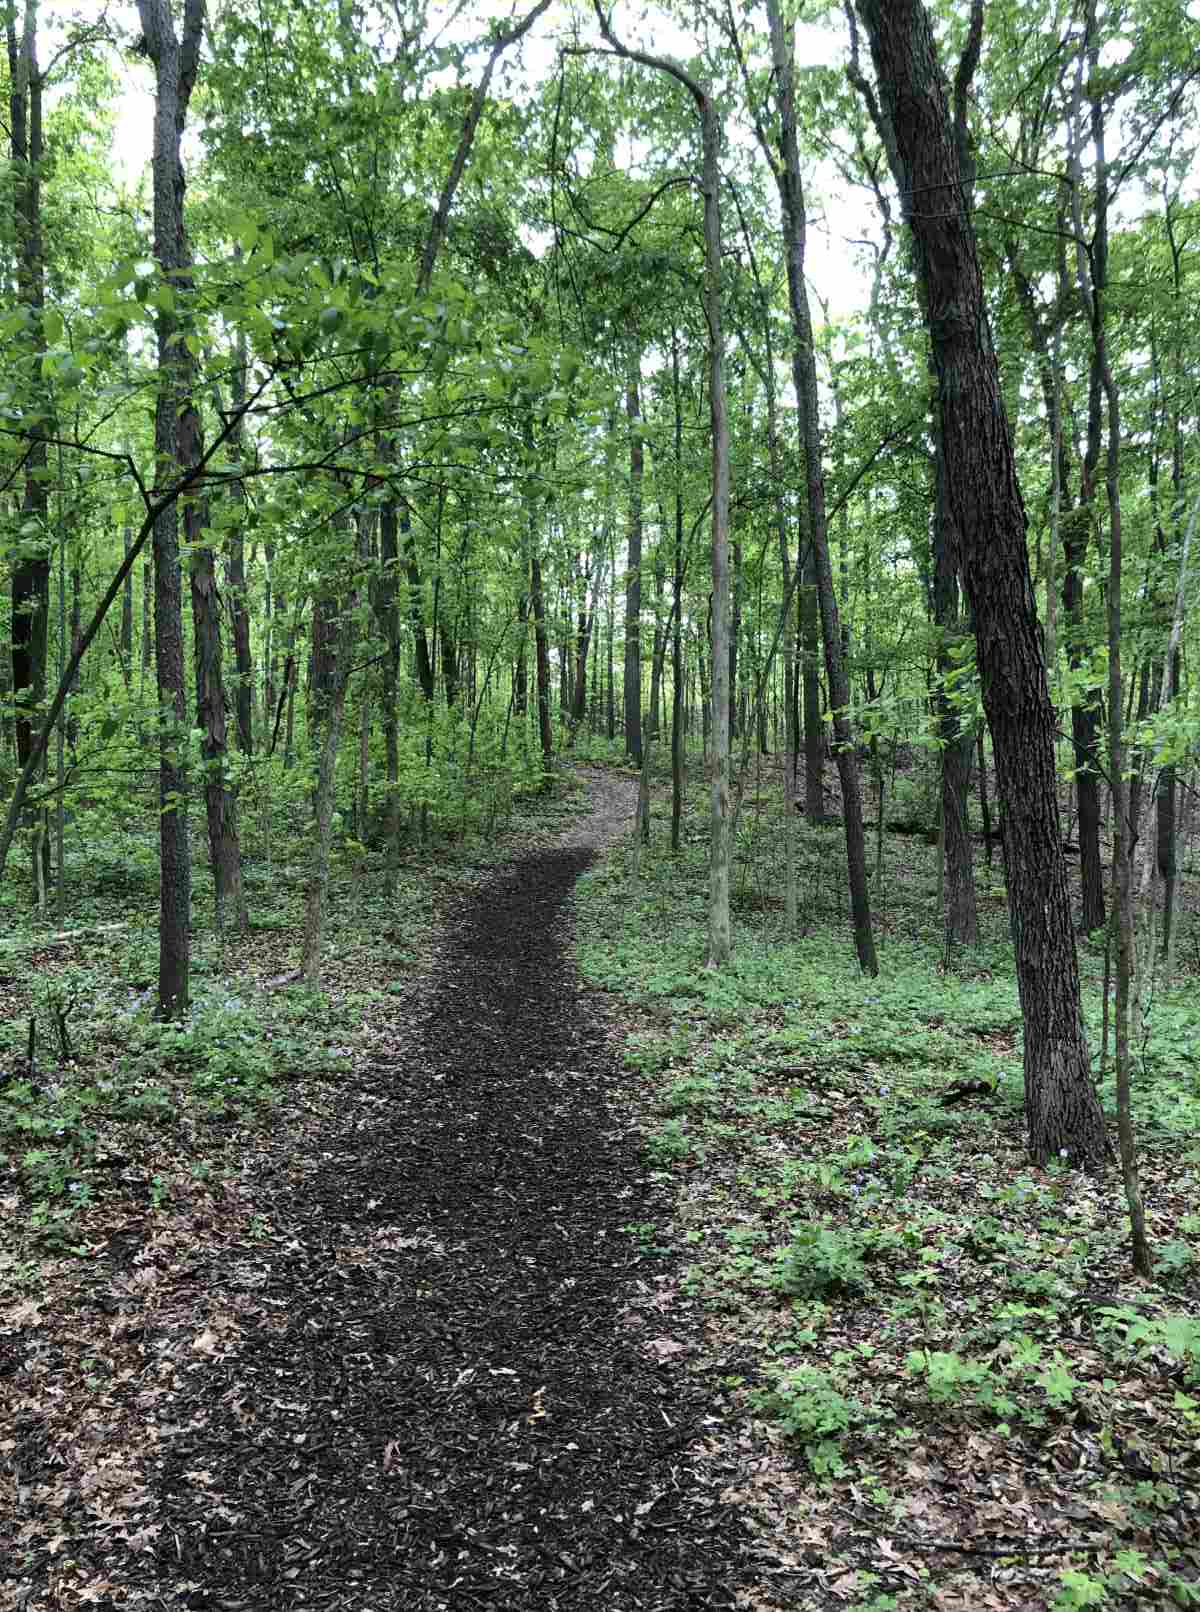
{"x": 836, "y": 220}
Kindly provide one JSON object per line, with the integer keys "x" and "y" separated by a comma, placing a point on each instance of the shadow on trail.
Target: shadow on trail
{"x": 438, "y": 1405}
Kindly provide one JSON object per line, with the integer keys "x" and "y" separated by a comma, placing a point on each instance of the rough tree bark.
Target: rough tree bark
{"x": 1062, "y": 1108}
{"x": 176, "y": 61}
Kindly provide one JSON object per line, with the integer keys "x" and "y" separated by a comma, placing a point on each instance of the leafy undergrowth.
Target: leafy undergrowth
{"x": 946, "y": 1386}
{"x": 120, "y": 1116}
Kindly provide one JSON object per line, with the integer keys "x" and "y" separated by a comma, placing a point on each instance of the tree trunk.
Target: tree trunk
{"x": 804, "y": 375}
{"x": 610, "y": 698}
{"x": 720, "y": 933}
{"x": 387, "y": 613}
{"x": 584, "y": 629}
{"x": 1073, "y": 527}
{"x": 272, "y": 606}
{"x": 810, "y": 684}
{"x": 235, "y": 573}
{"x": 541, "y": 653}
{"x": 659, "y": 653}
{"x": 633, "y": 570}
{"x": 521, "y": 669}
{"x": 126, "y": 618}
{"x": 957, "y": 739}
{"x": 1061, "y": 1105}
{"x": 31, "y": 566}
{"x": 220, "y": 805}
{"x": 333, "y": 641}
{"x": 176, "y": 64}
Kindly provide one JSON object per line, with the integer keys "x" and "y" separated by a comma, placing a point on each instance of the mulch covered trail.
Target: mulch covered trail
{"x": 440, "y": 1404}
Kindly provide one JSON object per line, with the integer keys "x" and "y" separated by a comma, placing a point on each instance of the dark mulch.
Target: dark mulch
{"x": 440, "y": 1405}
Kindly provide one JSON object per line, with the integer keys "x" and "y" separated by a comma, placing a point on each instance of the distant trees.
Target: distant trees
{"x": 442, "y": 443}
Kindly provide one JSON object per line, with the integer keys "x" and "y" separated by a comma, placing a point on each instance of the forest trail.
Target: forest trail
{"x": 431, "y": 1397}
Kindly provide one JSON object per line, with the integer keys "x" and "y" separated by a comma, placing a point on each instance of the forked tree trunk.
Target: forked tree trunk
{"x": 1062, "y": 1108}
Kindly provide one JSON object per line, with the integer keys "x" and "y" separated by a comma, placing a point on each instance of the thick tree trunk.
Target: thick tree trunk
{"x": 176, "y": 64}
{"x": 1061, "y": 1105}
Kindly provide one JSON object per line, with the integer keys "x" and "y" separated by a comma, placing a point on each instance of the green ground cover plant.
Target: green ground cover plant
{"x": 921, "y": 1323}
{"x": 120, "y": 1109}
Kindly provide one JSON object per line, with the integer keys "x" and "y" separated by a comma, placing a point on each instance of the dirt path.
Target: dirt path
{"x": 426, "y": 1394}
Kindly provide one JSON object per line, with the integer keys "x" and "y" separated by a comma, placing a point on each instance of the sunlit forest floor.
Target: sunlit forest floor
{"x": 926, "y": 1375}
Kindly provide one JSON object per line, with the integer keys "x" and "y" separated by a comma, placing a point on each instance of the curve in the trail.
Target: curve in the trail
{"x": 458, "y": 1419}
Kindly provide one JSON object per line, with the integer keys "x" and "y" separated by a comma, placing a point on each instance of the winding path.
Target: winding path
{"x": 440, "y": 1406}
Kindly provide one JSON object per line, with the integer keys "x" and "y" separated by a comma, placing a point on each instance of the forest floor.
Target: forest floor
{"x": 399, "y": 1359}
{"x": 529, "y": 1266}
